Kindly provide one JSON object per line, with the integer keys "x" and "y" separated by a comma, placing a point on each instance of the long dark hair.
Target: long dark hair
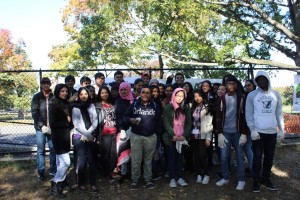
{"x": 61, "y": 104}
{"x": 190, "y": 94}
{"x": 109, "y": 100}
{"x": 57, "y": 90}
{"x": 207, "y": 105}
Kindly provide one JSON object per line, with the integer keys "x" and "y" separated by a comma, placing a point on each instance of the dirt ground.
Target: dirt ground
{"x": 18, "y": 180}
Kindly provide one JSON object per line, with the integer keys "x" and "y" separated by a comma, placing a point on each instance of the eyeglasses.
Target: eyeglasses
{"x": 145, "y": 92}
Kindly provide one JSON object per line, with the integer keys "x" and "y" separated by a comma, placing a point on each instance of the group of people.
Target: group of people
{"x": 133, "y": 129}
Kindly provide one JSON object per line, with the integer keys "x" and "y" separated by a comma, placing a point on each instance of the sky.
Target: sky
{"x": 38, "y": 23}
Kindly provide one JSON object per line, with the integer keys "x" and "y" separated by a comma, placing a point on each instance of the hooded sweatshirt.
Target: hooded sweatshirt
{"x": 150, "y": 115}
{"x": 264, "y": 109}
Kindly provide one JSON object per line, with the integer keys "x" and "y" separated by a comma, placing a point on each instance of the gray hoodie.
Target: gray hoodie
{"x": 264, "y": 109}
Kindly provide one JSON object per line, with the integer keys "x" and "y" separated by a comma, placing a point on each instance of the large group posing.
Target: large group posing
{"x": 148, "y": 128}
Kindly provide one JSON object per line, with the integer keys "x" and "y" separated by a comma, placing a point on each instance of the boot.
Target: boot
{"x": 65, "y": 186}
{"x": 56, "y": 189}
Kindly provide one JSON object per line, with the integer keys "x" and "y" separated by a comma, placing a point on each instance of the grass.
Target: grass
{"x": 18, "y": 180}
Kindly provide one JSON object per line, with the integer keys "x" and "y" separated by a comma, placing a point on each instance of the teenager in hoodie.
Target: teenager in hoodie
{"x": 264, "y": 116}
{"x": 144, "y": 116}
{"x": 177, "y": 123}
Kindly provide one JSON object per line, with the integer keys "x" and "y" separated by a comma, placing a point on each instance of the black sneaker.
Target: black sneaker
{"x": 41, "y": 178}
{"x": 149, "y": 185}
{"x": 134, "y": 186}
{"x": 267, "y": 183}
{"x": 256, "y": 187}
{"x": 156, "y": 177}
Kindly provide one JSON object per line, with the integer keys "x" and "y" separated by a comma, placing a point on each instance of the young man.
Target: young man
{"x": 84, "y": 81}
{"x": 146, "y": 78}
{"x": 179, "y": 80}
{"x": 70, "y": 82}
{"x": 230, "y": 126}
{"x": 118, "y": 79}
{"x": 144, "y": 116}
{"x": 99, "y": 81}
{"x": 39, "y": 111}
{"x": 263, "y": 116}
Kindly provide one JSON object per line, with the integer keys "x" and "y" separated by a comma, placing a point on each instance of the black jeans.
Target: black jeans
{"x": 265, "y": 145}
{"x": 86, "y": 152}
{"x": 109, "y": 153}
{"x": 200, "y": 156}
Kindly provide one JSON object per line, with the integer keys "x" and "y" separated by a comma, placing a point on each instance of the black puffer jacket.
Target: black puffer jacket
{"x": 39, "y": 109}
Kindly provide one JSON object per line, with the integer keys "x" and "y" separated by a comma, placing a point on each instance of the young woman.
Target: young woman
{"x": 177, "y": 124}
{"x": 168, "y": 95}
{"x": 207, "y": 90}
{"x": 92, "y": 92}
{"x": 124, "y": 100}
{"x": 221, "y": 90}
{"x": 107, "y": 130}
{"x": 157, "y": 158}
{"x": 161, "y": 87}
{"x": 59, "y": 120}
{"x": 187, "y": 86}
{"x": 247, "y": 147}
{"x": 201, "y": 135}
{"x": 85, "y": 122}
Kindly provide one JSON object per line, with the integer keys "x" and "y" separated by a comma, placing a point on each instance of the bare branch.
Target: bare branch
{"x": 276, "y": 24}
{"x": 261, "y": 62}
{"x": 189, "y": 63}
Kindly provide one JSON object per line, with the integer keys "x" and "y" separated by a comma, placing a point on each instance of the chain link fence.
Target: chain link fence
{"x": 17, "y": 133}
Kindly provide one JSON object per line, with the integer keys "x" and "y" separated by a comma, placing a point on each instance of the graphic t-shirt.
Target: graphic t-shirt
{"x": 110, "y": 120}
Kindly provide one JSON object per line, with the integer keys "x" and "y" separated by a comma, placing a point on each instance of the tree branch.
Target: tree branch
{"x": 276, "y": 24}
{"x": 189, "y": 63}
{"x": 261, "y": 62}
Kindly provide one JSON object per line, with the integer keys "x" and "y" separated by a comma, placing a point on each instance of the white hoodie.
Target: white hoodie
{"x": 264, "y": 109}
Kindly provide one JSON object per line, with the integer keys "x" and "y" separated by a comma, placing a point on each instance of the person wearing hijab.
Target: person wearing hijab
{"x": 60, "y": 120}
{"x": 177, "y": 124}
{"x": 124, "y": 100}
{"x": 85, "y": 122}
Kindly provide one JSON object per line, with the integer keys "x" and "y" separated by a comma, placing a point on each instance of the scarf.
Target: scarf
{"x": 127, "y": 87}
{"x": 83, "y": 107}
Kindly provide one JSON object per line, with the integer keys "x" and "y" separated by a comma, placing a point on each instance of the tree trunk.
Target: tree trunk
{"x": 161, "y": 67}
{"x": 21, "y": 114}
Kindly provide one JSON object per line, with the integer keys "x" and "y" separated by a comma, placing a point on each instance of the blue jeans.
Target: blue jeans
{"x": 233, "y": 140}
{"x": 175, "y": 162}
{"x": 265, "y": 145}
{"x": 41, "y": 140}
{"x": 247, "y": 148}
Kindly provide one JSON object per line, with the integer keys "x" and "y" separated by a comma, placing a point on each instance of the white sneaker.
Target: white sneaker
{"x": 198, "y": 179}
{"x": 172, "y": 183}
{"x": 222, "y": 182}
{"x": 205, "y": 180}
{"x": 240, "y": 185}
{"x": 182, "y": 182}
